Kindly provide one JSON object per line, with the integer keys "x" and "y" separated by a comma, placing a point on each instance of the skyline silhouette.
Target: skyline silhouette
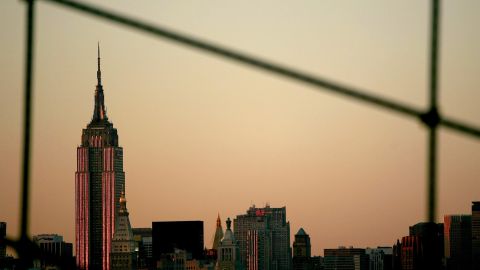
{"x": 283, "y": 143}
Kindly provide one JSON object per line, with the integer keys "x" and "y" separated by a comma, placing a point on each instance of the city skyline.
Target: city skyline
{"x": 449, "y": 245}
{"x": 281, "y": 137}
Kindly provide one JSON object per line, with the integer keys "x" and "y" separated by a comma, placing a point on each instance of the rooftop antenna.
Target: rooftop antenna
{"x": 99, "y": 73}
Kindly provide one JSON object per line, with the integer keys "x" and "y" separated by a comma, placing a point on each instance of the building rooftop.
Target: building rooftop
{"x": 301, "y": 232}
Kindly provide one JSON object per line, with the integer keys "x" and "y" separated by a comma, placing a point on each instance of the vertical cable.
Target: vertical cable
{"x": 432, "y": 117}
{"x": 432, "y": 174}
{"x": 27, "y": 121}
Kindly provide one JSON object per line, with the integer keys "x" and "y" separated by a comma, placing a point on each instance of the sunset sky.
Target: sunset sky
{"x": 203, "y": 135}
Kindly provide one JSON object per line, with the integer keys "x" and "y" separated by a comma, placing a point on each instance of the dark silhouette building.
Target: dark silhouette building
{"x": 4, "y": 261}
{"x": 176, "y": 260}
{"x": 317, "y": 262}
{"x": 302, "y": 251}
{"x": 458, "y": 242}
{"x": 407, "y": 253}
{"x": 99, "y": 181}
{"x": 430, "y": 237}
{"x": 476, "y": 235}
{"x": 422, "y": 249}
{"x": 3, "y": 246}
{"x": 168, "y": 236}
{"x": 397, "y": 256}
{"x": 263, "y": 235}
{"x": 55, "y": 252}
{"x": 143, "y": 242}
{"x": 380, "y": 258}
{"x": 345, "y": 259}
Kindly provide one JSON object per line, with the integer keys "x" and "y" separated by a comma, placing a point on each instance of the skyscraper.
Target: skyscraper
{"x": 99, "y": 181}
{"x": 302, "y": 251}
{"x": 475, "y": 235}
{"x": 430, "y": 237}
{"x": 458, "y": 241}
{"x": 422, "y": 249}
{"x": 264, "y": 238}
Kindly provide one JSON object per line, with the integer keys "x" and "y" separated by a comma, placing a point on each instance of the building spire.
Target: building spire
{"x": 218, "y": 233}
{"x": 219, "y": 222}
{"x": 99, "y": 73}
{"x": 99, "y": 111}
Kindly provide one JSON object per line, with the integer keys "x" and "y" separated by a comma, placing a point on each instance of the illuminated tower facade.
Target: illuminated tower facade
{"x": 99, "y": 181}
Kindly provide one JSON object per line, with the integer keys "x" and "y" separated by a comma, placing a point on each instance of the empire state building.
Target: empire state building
{"x": 99, "y": 182}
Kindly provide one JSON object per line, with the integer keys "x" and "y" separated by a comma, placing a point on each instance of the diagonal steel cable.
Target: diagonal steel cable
{"x": 262, "y": 64}
{"x": 457, "y": 125}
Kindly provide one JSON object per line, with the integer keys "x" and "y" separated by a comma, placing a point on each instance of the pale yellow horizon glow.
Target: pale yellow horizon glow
{"x": 202, "y": 135}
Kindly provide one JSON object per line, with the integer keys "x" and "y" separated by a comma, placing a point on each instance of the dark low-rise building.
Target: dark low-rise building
{"x": 475, "y": 235}
{"x": 345, "y": 258}
{"x": 317, "y": 263}
{"x": 380, "y": 258}
{"x": 54, "y": 251}
{"x": 143, "y": 245}
{"x": 167, "y": 236}
{"x": 3, "y": 235}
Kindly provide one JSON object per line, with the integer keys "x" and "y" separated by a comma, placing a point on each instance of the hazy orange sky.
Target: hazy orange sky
{"x": 202, "y": 135}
